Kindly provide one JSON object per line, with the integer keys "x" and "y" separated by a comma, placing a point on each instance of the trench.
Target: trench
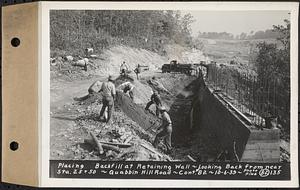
{"x": 204, "y": 126}
{"x": 188, "y": 136}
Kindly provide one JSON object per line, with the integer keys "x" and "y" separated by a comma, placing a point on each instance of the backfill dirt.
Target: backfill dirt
{"x": 132, "y": 125}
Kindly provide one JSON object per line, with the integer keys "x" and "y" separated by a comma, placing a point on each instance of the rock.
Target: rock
{"x": 59, "y": 153}
{"x": 76, "y": 152}
{"x": 108, "y": 153}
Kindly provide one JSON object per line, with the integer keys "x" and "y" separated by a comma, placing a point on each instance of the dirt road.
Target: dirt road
{"x": 62, "y": 94}
{"x": 70, "y": 119}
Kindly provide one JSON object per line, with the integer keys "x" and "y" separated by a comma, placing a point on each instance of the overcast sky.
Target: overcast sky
{"x": 235, "y": 22}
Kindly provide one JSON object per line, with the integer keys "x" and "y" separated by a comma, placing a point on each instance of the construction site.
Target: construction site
{"x": 208, "y": 124}
{"x": 211, "y": 100}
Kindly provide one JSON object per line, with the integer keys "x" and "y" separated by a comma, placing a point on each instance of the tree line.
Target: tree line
{"x": 267, "y": 34}
{"x": 74, "y": 30}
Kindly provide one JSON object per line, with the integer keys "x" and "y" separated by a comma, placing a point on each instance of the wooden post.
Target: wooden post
{"x": 98, "y": 144}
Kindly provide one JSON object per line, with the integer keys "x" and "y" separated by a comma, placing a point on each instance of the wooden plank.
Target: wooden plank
{"x": 262, "y": 141}
{"x": 261, "y": 155}
{"x": 262, "y": 146}
{"x": 271, "y": 160}
{"x": 97, "y": 143}
{"x": 128, "y": 139}
{"x": 266, "y": 134}
{"x": 191, "y": 158}
{"x": 121, "y": 145}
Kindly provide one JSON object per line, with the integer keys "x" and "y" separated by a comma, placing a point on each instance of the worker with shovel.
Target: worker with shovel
{"x": 155, "y": 99}
{"x": 127, "y": 87}
{"x": 109, "y": 93}
{"x": 165, "y": 130}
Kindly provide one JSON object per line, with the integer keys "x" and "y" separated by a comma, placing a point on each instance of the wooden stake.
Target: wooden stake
{"x": 98, "y": 144}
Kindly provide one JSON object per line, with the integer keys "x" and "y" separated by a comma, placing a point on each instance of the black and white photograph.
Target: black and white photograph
{"x": 156, "y": 87}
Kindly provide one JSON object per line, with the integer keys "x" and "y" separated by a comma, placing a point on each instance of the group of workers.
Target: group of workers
{"x": 108, "y": 91}
{"x": 124, "y": 69}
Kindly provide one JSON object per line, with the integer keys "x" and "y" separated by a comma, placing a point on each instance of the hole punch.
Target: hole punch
{"x": 14, "y": 146}
{"x": 15, "y": 42}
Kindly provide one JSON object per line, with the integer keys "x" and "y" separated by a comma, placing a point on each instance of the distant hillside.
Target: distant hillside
{"x": 267, "y": 34}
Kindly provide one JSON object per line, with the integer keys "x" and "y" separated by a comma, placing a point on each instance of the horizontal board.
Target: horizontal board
{"x": 262, "y": 146}
{"x": 271, "y": 160}
{"x": 266, "y": 134}
{"x": 261, "y": 155}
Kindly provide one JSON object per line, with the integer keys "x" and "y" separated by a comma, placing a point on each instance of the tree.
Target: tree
{"x": 72, "y": 30}
{"x": 273, "y": 67}
{"x": 284, "y": 33}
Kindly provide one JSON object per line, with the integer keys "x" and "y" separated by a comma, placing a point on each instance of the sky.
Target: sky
{"x": 235, "y": 22}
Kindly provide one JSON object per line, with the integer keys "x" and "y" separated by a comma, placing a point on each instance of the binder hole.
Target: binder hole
{"x": 15, "y": 42}
{"x": 14, "y": 146}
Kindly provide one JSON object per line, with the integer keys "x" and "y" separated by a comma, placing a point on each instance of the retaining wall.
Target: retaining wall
{"x": 234, "y": 135}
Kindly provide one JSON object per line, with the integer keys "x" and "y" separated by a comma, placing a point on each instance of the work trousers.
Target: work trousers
{"x": 166, "y": 134}
{"x": 109, "y": 103}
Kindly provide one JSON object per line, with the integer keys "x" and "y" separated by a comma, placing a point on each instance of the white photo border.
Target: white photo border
{"x": 44, "y": 92}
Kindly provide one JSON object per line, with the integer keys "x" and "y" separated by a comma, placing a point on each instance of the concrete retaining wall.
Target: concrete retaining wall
{"x": 235, "y": 136}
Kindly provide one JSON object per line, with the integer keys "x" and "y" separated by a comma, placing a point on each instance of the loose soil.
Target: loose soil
{"x": 72, "y": 121}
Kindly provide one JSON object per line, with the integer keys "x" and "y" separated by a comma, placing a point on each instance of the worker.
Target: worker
{"x": 165, "y": 130}
{"x": 127, "y": 87}
{"x": 92, "y": 90}
{"x": 109, "y": 94}
{"x": 137, "y": 71}
{"x": 154, "y": 82}
{"x": 155, "y": 99}
{"x": 123, "y": 69}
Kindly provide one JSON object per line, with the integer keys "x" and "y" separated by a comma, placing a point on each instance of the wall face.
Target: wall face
{"x": 235, "y": 136}
{"x": 241, "y": 141}
{"x": 225, "y": 125}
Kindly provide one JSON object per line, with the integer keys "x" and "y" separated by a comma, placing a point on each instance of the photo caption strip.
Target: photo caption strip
{"x": 169, "y": 170}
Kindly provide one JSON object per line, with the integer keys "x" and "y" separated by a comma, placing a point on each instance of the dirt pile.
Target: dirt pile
{"x": 128, "y": 139}
{"x": 137, "y": 113}
{"x": 61, "y": 69}
{"x": 141, "y": 92}
{"x": 184, "y": 55}
{"x": 111, "y": 59}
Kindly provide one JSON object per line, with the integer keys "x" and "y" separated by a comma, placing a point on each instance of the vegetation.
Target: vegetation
{"x": 267, "y": 34}
{"x": 73, "y": 30}
{"x": 273, "y": 63}
{"x": 273, "y": 66}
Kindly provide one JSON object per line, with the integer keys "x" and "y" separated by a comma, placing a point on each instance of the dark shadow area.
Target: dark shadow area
{"x": 180, "y": 113}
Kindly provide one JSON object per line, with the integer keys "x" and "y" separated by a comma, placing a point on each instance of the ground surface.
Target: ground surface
{"x": 71, "y": 121}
